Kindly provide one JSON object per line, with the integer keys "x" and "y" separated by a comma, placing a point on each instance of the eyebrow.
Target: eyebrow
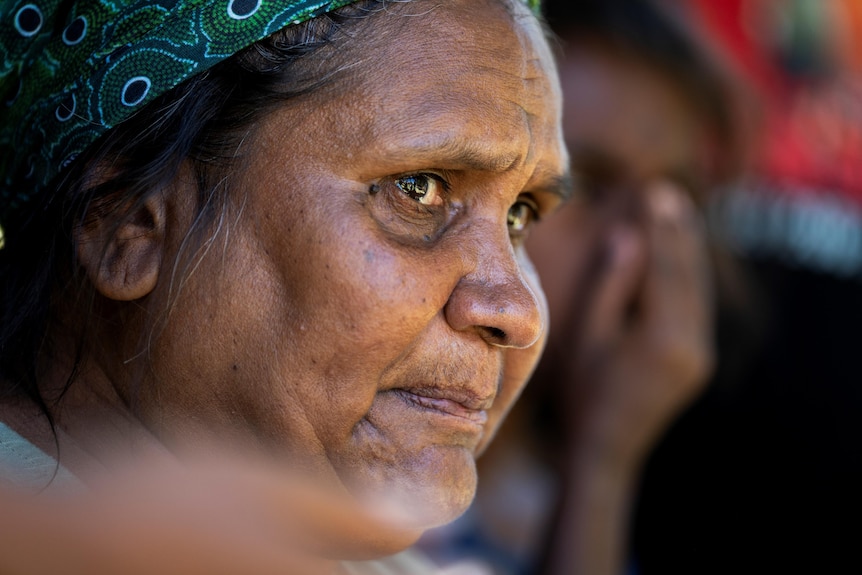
{"x": 468, "y": 154}
{"x": 473, "y": 155}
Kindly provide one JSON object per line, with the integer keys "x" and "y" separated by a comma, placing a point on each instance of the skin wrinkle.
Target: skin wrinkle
{"x": 470, "y": 155}
{"x": 434, "y": 373}
{"x": 318, "y": 444}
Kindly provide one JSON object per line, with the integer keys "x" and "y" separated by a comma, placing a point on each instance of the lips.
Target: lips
{"x": 448, "y": 402}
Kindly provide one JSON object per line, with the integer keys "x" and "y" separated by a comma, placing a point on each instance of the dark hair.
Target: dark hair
{"x": 200, "y": 122}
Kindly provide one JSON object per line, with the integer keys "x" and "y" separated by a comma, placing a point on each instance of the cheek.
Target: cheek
{"x": 353, "y": 304}
{"x": 214, "y": 359}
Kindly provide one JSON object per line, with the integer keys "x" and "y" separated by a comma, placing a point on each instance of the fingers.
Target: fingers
{"x": 645, "y": 348}
{"x": 336, "y": 525}
{"x": 676, "y": 303}
{"x": 615, "y": 287}
{"x": 223, "y": 514}
{"x": 318, "y": 516}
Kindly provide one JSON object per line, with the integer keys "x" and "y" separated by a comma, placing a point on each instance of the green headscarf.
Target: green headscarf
{"x": 71, "y": 70}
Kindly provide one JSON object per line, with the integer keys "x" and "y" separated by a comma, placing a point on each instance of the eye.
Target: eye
{"x": 522, "y": 213}
{"x": 427, "y": 189}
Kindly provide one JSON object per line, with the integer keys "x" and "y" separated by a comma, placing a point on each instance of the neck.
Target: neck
{"x": 92, "y": 424}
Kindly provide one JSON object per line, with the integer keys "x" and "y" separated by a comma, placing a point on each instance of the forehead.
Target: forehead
{"x": 461, "y": 74}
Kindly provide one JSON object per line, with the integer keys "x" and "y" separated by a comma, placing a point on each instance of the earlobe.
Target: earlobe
{"x": 123, "y": 256}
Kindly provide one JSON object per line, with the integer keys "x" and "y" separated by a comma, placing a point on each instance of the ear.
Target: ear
{"x": 123, "y": 261}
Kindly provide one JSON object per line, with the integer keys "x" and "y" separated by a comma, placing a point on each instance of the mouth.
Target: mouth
{"x": 463, "y": 406}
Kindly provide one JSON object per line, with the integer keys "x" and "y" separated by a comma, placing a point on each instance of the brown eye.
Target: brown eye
{"x": 520, "y": 216}
{"x": 426, "y": 189}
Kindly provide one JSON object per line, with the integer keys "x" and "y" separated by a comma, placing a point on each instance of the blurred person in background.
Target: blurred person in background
{"x": 649, "y": 122}
{"x": 763, "y": 474}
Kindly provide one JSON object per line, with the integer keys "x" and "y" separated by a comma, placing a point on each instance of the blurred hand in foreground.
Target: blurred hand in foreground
{"x": 218, "y": 516}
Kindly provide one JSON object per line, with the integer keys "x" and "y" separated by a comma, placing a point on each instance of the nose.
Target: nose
{"x": 496, "y": 300}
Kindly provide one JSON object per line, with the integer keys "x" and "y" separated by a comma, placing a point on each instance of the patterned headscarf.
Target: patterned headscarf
{"x": 72, "y": 69}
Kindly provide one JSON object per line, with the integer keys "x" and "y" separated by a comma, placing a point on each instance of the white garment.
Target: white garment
{"x": 22, "y": 464}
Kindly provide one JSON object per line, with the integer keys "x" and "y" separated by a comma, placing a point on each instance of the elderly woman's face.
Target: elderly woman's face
{"x": 369, "y": 305}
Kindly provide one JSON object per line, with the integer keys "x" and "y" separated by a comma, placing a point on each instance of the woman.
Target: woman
{"x": 304, "y": 241}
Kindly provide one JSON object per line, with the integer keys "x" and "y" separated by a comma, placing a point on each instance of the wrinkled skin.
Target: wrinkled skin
{"x": 377, "y": 336}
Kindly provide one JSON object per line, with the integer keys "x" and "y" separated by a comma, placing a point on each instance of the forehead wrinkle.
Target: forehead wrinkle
{"x": 482, "y": 103}
{"x": 444, "y": 130}
{"x": 534, "y": 79}
{"x": 457, "y": 129}
{"x": 469, "y": 153}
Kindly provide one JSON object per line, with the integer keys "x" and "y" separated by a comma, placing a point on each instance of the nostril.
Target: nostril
{"x": 495, "y": 334}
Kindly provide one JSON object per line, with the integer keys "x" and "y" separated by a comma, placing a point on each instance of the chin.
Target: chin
{"x": 428, "y": 492}
{"x": 447, "y": 499}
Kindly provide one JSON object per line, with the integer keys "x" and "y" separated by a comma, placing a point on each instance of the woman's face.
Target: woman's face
{"x": 368, "y": 304}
